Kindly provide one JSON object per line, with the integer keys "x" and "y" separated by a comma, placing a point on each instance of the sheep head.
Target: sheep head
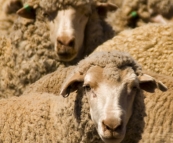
{"x": 68, "y": 23}
{"x": 110, "y": 93}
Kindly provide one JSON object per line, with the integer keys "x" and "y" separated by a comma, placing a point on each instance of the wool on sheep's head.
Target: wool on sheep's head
{"x": 55, "y": 4}
{"x": 114, "y": 59}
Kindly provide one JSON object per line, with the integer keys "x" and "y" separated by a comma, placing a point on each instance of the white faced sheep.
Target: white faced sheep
{"x": 113, "y": 85}
{"x": 73, "y": 24}
{"x": 151, "y": 45}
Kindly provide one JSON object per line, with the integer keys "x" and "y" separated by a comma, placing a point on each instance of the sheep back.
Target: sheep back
{"x": 158, "y": 120}
{"x": 150, "y": 45}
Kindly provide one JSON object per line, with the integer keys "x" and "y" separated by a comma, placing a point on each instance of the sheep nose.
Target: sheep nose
{"x": 112, "y": 124}
{"x": 66, "y": 41}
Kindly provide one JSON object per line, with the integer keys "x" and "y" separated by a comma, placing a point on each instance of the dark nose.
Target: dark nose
{"x": 112, "y": 124}
{"x": 66, "y": 41}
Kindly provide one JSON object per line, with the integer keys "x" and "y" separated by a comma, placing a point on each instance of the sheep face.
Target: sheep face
{"x": 68, "y": 24}
{"x": 111, "y": 102}
{"x": 67, "y": 31}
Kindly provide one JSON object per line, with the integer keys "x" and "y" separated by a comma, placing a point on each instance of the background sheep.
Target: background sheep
{"x": 32, "y": 52}
{"x": 38, "y": 117}
{"x": 135, "y": 13}
{"x": 151, "y": 45}
{"x": 74, "y": 31}
{"x": 130, "y": 14}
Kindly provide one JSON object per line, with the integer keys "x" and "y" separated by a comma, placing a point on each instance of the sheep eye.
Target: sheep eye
{"x": 50, "y": 15}
{"x": 87, "y": 88}
{"x": 134, "y": 88}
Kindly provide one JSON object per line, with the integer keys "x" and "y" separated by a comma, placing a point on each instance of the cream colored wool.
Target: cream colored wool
{"x": 6, "y": 66}
{"x": 44, "y": 118}
{"x": 151, "y": 45}
{"x": 159, "y": 115}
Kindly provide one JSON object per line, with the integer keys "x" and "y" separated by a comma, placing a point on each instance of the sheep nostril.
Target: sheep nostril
{"x": 60, "y": 42}
{"x": 118, "y": 128}
{"x": 65, "y": 41}
{"x": 71, "y": 43}
{"x": 112, "y": 125}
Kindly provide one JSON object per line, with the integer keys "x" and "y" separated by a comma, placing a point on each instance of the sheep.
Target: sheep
{"x": 72, "y": 31}
{"x": 130, "y": 14}
{"x": 135, "y": 13}
{"x": 110, "y": 80}
{"x": 33, "y": 54}
{"x": 150, "y": 45}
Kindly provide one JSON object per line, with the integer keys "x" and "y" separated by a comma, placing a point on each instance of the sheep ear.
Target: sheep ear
{"x": 27, "y": 12}
{"x": 103, "y": 8}
{"x": 149, "y": 84}
{"x": 72, "y": 84}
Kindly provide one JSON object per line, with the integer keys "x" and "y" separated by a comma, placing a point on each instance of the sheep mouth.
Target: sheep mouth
{"x": 112, "y": 139}
{"x": 113, "y": 136}
{"x": 66, "y": 56}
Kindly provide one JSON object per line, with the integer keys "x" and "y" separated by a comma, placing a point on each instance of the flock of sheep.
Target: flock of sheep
{"x": 86, "y": 71}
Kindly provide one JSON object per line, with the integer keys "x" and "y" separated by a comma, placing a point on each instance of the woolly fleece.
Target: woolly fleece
{"x": 159, "y": 115}
{"x": 151, "y": 45}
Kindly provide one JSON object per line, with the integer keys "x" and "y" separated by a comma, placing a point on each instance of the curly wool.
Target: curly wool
{"x": 53, "y": 5}
{"x": 151, "y": 45}
{"x": 50, "y": 83}
{"x": 32, "y": 56}
{"x": 159, "y": 116}
{"x": 43, "y": 117}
